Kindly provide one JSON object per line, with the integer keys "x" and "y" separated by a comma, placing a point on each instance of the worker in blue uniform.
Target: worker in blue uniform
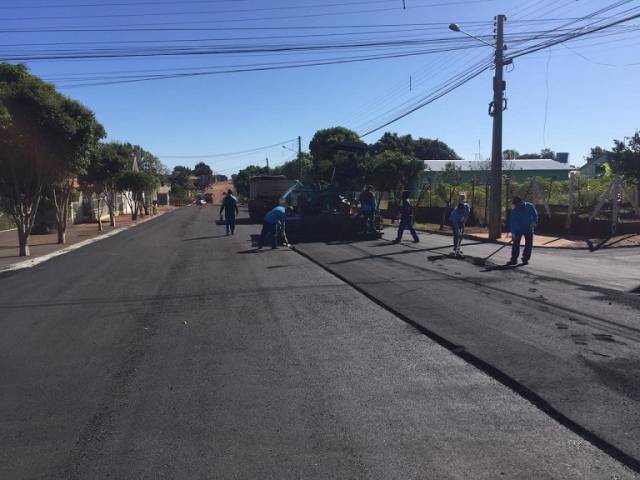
{"x": 274, "y": 222}
{"x": 523, "y": 221}
{"x": 458, "y": 218}
{"x": 230, "y": 208}
{"x": 368, "y": 208}
{"x": 406, "y": 219}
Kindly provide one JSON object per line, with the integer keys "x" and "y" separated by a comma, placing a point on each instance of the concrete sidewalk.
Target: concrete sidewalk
{"x": 41, "y": 245}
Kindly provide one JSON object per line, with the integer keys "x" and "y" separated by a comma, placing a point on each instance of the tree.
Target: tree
{"x": 447, "y": 186}
{"x": 392, "y": 171}
{"x": 106, "y": 163}
{"x": 204, "y": 174}
{"x": 62, "y": 187}
{"x": 291, "y": 169}
{"x": 421, "y": 148}
{"x": 44, "y": 137}
{"x": 547, "y": 153}
{"x": 135, "y": 185}
{"x": 331, "y": 143}
{"x": 544, "y": 153}
{"x": 625, "y": 157}
{"x": 510, "y": 154}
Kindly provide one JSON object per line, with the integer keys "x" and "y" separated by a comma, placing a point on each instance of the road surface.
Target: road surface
{"x": 172, "y": 351}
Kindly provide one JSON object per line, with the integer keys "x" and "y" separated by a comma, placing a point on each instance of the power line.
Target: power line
{"x": 228, "y": 154}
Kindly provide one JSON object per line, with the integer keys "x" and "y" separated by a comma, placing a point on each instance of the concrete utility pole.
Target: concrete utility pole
{"x": 299, "y": 158}
{"x": 495, "y": 110}
{"x": 267, "y": 160}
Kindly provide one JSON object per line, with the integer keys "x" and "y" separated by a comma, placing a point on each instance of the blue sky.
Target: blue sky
{"x": 567, "y": 98}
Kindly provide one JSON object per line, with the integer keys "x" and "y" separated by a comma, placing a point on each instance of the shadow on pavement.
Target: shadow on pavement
{"x": 203, "y": 238}
{"x": 402, "y": 252}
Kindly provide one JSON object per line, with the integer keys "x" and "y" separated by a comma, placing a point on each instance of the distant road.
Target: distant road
{"x": 172, "y": 351}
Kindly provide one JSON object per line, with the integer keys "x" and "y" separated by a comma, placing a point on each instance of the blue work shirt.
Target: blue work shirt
{"x": 367, "y": 201}
{"x": 459, "y": 216}
{"x": 229, "y": 205}
{"x": 523, "y": 219}
{"x": 277, "y": 215}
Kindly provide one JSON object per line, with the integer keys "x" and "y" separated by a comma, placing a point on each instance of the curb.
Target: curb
{"x": 14, "y": 267}
{"x": 471, "y": 236}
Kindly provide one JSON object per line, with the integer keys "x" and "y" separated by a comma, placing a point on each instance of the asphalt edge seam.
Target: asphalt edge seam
{"x": 497, "y": 374}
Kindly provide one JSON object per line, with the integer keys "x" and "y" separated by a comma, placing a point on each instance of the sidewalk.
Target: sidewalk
{"x": 46, "y": 244}
{"x": 539, "y": 240}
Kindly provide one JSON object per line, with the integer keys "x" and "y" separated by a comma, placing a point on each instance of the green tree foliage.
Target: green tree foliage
{"x": 147, "y": 161}
{"x": 625, "y": 157}
{"x": 291, "y": 169}
{"x": 45, "y": 137}
{"x": 135, "y": 185}
{"x": 544, "y": 153}
{"x": 510, "y": 154}
{"x": 324, "y": 142}
{"x": 392, "y": 171}
{"x": 106, "y": 162}
{"x": 420, "y": 148}
{"x": 181, "y": 186}
{"x": 204, "y": 174}
{"x": 448, "y": 183}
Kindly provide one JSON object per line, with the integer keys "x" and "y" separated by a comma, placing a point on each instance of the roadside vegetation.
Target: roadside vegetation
{"x": 51, "y": 151}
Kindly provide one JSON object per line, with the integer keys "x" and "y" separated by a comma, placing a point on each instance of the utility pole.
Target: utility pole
{"x": 267, "y": 160}
{"x": 495, "y": 110}
{"x": 299, "y": 157}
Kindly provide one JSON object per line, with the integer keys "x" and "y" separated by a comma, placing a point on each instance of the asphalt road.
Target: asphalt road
{"x": 171, "y": 351}
{"x": 574, "y": 346}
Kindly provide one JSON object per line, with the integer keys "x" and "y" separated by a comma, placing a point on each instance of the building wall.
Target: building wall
{"x": 515, "y": 175}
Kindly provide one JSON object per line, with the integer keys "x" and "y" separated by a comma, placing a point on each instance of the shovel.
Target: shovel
{"x": 483, "y": 261}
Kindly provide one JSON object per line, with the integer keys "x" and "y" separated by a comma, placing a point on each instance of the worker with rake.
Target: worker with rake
{"x": 458, "y": 218}
{"x": 523, "y": 220}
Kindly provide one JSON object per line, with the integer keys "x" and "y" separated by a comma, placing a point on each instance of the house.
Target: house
{"x": 163, "y": 195}
{"x": 517, "y": 170}
{"x": 594, "y": 166}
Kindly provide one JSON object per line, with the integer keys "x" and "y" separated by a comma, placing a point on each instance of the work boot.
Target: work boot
{"x": 512, "y": 262}
{"x": 525, "y": 262}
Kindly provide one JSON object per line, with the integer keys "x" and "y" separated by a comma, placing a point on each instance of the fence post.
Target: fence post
{"x": 572, "y": 179}
{"x": 615, "y": 204}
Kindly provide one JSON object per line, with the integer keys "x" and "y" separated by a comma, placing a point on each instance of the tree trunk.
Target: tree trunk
{"x": 62, "y": 235}
{"x": 99, "y": 214}
{"x": 23, "y": 241}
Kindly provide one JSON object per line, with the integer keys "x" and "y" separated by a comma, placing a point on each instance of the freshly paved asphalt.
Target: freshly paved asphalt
{"x": 171, "y": 351}
{"x": 575, "y": 346}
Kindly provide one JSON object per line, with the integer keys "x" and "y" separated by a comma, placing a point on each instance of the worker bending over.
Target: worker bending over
{"x": 274, "y": 222}
{"x": 524, "y": 218}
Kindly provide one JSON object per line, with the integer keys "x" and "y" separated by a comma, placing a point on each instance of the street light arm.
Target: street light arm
{"x": 456, "y": 28}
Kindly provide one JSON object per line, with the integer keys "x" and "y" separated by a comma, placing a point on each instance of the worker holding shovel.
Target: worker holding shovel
{"x": 274, "y": 224}
{"x": 524, "y": 218}
{"x": 458, "y": 218}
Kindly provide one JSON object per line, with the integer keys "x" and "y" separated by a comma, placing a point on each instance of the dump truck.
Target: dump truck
{"x": 265, "y": 192}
